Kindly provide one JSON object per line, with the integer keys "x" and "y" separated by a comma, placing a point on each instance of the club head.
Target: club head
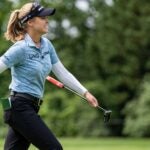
{"x": 107, "y": 114}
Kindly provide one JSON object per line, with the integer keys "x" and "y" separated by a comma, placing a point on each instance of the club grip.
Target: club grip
{"x": 55, "y": 82}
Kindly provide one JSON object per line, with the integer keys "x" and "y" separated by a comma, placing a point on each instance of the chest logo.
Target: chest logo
{"x": 32, "y": 56}
{"x": 38, "y": 55}
{"x": 44, "y": 54}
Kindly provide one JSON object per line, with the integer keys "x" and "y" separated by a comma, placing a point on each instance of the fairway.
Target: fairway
{"x": 101, "y": 144}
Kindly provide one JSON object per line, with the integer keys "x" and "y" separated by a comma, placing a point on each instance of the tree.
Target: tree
{"x": 107, "y": 48}
{"x": 137, "y": 122}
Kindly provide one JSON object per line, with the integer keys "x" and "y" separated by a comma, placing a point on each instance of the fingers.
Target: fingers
{"x": 94, "y": 102}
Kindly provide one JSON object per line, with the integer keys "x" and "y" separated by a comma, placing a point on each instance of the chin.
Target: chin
{"x": 45, "y": 31}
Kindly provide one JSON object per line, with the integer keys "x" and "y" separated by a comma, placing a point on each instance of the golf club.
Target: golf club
{"x": 107, "y": 113}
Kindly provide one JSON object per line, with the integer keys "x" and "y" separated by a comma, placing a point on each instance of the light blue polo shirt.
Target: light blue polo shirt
{"x": 30, "y": 65}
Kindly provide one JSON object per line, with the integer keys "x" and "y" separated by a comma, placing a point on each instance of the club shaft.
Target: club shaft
{"x": 61, "y": 85}
{"x": 82, "y": 97}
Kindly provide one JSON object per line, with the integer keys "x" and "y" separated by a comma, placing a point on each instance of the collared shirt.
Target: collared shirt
{"x": 30, "y": 65}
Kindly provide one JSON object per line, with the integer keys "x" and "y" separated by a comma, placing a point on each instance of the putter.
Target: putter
{"x": 107, "y": 113}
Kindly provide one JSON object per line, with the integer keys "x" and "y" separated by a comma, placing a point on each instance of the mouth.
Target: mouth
{"x": 46, "y": 26}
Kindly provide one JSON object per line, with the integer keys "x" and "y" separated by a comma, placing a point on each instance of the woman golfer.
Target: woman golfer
{"x": 31, "y": 58}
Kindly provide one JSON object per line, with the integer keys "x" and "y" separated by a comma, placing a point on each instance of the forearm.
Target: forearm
{"x": 3, "y": 67}
{"x": 67, "y": 78}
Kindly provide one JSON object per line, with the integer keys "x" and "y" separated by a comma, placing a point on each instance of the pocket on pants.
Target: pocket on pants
{"x": 7, "y": 116}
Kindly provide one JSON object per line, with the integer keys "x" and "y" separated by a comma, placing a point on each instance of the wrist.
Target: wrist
{"x": 85, "y": 94}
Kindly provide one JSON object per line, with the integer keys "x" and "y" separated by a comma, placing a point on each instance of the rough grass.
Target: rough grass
{"x": 100, "y": 144}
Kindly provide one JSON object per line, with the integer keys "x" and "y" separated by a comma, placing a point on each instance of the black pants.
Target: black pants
{"x": 26, "y": 127}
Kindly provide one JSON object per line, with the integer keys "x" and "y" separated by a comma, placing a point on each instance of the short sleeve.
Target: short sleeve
{"x": 53, "y": 54}
{"x": 13, "y": 56}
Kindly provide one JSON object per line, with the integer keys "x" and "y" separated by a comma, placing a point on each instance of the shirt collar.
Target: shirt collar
{"x": 30, "y": 42}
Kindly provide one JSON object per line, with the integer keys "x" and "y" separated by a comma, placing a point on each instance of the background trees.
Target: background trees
{"x": 105, "y": 44}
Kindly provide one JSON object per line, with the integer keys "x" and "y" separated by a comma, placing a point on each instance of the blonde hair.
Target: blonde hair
{"x": 15, "y": 30}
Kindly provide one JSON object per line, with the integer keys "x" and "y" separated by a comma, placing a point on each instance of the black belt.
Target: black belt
{"x": 34, "y": 99}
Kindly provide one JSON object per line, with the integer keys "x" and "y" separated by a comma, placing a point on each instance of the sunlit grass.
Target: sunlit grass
{"x": 100, "y": 144}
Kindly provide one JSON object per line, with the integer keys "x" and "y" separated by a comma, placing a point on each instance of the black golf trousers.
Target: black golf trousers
{"x": 26, "y": 127}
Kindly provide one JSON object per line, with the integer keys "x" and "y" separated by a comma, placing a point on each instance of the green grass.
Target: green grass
{"x": 100, "y": 144}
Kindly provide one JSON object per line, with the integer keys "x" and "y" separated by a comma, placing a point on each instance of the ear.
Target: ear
{"x": 30, "y": 22}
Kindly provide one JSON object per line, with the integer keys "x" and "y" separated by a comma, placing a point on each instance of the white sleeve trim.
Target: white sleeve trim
{"x": 3, "y": 67}
{"x": 67, "y": 78}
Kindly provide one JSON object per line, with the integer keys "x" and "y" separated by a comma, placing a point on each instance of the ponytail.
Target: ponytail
{"x": 15, "y": 30}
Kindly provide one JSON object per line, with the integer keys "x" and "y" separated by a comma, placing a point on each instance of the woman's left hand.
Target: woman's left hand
{"x": 91, "y": 99}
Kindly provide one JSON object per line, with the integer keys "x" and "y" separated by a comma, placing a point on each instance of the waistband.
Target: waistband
{"x": 34, "y": 99}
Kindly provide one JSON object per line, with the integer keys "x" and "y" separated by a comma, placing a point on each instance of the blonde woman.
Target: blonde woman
{"x": 31, "y": 58}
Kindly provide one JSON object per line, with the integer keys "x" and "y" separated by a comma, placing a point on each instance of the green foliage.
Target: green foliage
{"x": 70, "y": 116}
{"x": 5, "y": 77}
{"x": 137, "y": 122}
{"x": 123, "y": 51}
{"x": 108, "y": 52}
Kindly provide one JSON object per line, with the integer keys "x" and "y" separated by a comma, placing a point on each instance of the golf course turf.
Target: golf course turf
{"x": 100, "y": 144}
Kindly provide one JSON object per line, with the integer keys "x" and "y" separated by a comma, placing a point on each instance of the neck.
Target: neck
{"x": 35, "y": 37}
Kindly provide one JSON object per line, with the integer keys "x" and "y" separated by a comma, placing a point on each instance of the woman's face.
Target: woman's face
{"x": 39, "y": 24}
